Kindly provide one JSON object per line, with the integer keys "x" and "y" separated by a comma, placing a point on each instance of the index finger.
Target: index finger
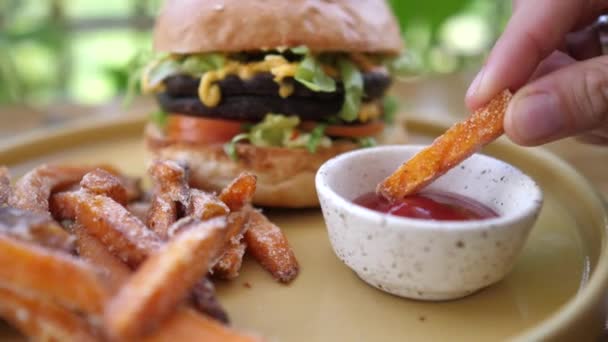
{"x": 535, "y": 30}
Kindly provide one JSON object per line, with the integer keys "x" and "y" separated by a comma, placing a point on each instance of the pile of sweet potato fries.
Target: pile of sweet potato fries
{"x": 87, "y": 255}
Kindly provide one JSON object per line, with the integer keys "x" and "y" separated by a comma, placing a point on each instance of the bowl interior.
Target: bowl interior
{"x": 494, "y": 183}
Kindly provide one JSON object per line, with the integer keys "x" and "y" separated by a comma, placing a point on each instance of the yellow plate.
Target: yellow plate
{"x": 556, "y": 290}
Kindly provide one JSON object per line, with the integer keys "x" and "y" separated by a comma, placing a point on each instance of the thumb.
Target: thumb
{"x": 570, "y": 101}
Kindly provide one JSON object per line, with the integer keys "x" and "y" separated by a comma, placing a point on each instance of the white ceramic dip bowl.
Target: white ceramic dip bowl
{"x": 427, "y": 259}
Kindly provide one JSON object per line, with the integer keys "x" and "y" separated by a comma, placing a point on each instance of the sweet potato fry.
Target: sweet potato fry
{"x": 165, "y": 279}
{"x": 5, "y": 186}
{"x": 240, "y": 192}
{"x": 229, "y": 265}
{"x": 93, "y": 251}
{"x": 204, "y": 300}
{"x": 162, "y": 214}
{"x": 204, "y": 205}
{"x": 123, "y": 234}
{"x": 101, "y": 182}
{"x": 54, "y": 276}
{"x": 171, "y": 190}
{"x": 43, "y": 321}
{"x": 33, "y": 190}
{"x": 64, "y": 205}
{"x": 269, "y": 246}
{"x": 187, "y": 326}
{"x": 455, "y": 145}
{"x": 139, "y": 209}
{"x": 171, "y": 178}
{"x": 34, "y": 227}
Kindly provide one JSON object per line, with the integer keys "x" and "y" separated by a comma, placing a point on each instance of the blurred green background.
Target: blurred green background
{"x": 81, "y": 51}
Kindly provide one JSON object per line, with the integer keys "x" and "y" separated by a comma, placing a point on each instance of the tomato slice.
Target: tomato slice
{"x": 348, "y": 131}
{"x": 209, "y": 131}
{"x": 201, "y": 130}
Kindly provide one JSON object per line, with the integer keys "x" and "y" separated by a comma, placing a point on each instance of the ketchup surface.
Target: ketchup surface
{"x": 429, "y": 205}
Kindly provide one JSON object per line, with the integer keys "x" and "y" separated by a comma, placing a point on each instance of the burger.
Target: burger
{"x": 272, "y": 87}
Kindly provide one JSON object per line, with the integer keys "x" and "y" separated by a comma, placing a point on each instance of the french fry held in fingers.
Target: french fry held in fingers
{"x": 5, "y": 186}
{"x": 269, "y": 246}
{"x": 51, "y": 275}
{"x": 40, "y": 320}
{"x": 34, "y": 227}
{"x": 454, "y": 146}
{"x": 122, "y": 233}
{"x": 164, "y": 280}
{"x": 239, "y": 192}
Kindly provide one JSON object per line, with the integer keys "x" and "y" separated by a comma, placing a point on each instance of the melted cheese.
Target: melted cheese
{"x": 369, "y": 111}
{"x": 210, "y": 94}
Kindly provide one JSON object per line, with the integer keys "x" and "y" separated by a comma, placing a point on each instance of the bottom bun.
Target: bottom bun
{"x": 285, "y": 176}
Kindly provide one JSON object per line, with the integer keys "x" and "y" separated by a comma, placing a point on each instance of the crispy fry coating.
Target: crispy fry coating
{"x": 52, "y": 275}
{"x": 229, "y": 265}
{"x": 101, "y": 182}
{"x": 187, "y": 326}
{"x": 94, "y": 252}
{"x": 204, "y": 205}
{"x": 139, "y": 209}
{"x": 171, "y": 190}
{"x": 455, "y": 145}
{"x": 33, "y": 190}
{"x": 5, "y": 186}
{"x": 64, "y": 205}
{"x": 171, "y": 178}
{"x": 164, "y": 280}
{"x": 204, "y": 300}
{"x": 240, "y": 192}
{"x": 40, "y": 320}
{"x": 162, "y": 214}
{"x": 34, "y": 227}
{"x": 269, "y": 246}
{"x": 123, "y": 234}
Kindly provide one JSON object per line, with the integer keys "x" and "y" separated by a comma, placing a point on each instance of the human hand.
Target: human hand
{"x": 550, "y": 55}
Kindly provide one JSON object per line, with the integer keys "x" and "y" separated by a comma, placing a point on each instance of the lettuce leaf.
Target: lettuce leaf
{"x": 403, "y": 65}
{"x": 316, "y": 137}
{"x": 353, "y": 90}
{"x": 156, "y": 71}
{"x": 159, "y": 69}
{"x": 310, "y": 73}
{"x": 300, "y": 50}
{"x": 273, "y": 130}
{"x": 230, "y": 147}
{"x": 196, "y": 65}
{"x": 159, "y": 118}
{"x": 367, "y": 142}
{"x": 390, "y": 105}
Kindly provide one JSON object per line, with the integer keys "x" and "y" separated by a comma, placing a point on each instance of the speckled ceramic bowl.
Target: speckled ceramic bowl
{"x": 427, "y": 259}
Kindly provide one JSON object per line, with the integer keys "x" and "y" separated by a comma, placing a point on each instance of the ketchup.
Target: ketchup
{"x": 429, "y": 205}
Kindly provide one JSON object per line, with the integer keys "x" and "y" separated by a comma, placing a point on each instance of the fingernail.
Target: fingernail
{"x": 535, "y": 118}
{"x": 476, "y": 82}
